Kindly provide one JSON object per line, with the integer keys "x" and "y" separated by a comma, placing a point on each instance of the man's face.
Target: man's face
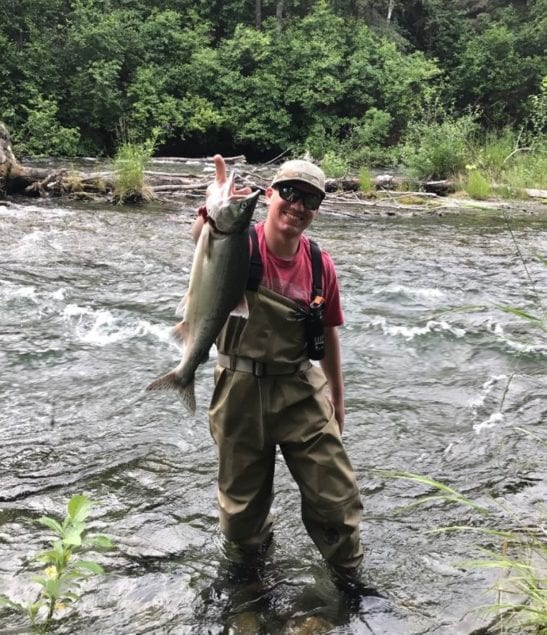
{"x": 292, "y": 217}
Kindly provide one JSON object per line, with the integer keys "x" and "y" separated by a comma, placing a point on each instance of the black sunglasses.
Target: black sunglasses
{"x": 292, "y": 194}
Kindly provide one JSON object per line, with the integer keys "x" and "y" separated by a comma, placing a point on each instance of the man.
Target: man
{"x": 268, "y": 394}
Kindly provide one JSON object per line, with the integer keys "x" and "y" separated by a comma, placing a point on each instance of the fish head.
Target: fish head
{"x": 231, "y": 212}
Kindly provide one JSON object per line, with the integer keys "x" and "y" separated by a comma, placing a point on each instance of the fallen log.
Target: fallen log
{"x": 534, "y": 193}
{"x": 441, "y": 188}
{"x": 240, "y": 158}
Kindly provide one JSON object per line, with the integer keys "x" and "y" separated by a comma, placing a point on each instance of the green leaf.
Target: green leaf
{"x": 34, "y": 608}
{"x": 52, "y": 588}
{"x": 73, "y": 536}
{"x": 51, "y": 523}
{"x": 89, "y": 565}
{"x": 78, "y": 507}
{"x": 5, "y": 601}
{"x": 41, "y": 580}
{"x": 519, "y": 313}
{"x": 102, "y": 541}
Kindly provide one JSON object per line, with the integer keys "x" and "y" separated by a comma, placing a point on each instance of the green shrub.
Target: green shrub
{"x": 438, "y": 150}
{"x": 477, "y": 186}
{"x": 334, "y": 165}
{"x": 42, "y": 135}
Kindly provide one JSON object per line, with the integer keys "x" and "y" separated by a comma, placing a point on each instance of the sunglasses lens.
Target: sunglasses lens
{"x": 291, "y": 194}
{"x": 312, "y": 201}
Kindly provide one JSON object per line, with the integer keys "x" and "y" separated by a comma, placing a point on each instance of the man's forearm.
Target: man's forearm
{"x": 332, "y": 367}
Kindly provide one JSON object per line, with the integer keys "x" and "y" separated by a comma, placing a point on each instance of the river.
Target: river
{"x": 442, "y": 380}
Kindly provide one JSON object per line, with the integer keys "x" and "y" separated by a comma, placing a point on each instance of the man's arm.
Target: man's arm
{"x": 332, "y": 367}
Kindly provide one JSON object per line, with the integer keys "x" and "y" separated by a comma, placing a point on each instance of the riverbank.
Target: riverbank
{"x": 175, "y": 178}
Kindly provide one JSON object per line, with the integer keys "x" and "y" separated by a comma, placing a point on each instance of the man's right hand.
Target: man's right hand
{"x": 220, "y": 179}
{"x": 212, "y": 191}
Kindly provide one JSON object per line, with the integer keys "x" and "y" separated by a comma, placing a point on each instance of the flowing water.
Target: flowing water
{"x": 440, "y": 380}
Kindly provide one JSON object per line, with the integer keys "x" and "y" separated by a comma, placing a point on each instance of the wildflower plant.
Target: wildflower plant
{"x": 63, "y": 570}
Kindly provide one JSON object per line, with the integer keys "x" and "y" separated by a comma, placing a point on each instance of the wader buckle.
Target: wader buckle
{"x": 259, "y": 369}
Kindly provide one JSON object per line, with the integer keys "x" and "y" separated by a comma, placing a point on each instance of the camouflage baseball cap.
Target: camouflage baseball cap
{"x": 299, "y": 170}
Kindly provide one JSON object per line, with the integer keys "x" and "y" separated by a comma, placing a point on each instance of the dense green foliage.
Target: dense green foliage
{"x": 354, "y": 78}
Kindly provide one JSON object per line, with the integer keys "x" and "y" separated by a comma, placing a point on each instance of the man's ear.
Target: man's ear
{"x": 268, "y": 193}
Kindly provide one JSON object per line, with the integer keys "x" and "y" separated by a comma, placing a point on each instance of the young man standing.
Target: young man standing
{"x": 268, "y": 394}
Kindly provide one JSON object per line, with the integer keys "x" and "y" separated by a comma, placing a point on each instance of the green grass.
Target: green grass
{"x": 129, "y": 180}
{"x": 366, "y": 182}
{"x": 521, "y": 588}
{"x": 527, "y": 169}
{"x": 477, "y": 186}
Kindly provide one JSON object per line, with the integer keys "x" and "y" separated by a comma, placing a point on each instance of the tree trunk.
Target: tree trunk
{"x": 279, "y": 14}
{"x": 390, "y": 7}
{"x": 258, "y": 14}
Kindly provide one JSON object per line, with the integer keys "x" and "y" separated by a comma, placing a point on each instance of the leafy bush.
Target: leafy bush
{"x": 438, "y": 150}
{"x": 334, "y": 165}
{"x": 367, "y": 142}
{"x": 41, "y": 133}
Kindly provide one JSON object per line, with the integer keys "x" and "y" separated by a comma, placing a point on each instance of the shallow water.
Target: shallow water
{"x": 87, "y": 299}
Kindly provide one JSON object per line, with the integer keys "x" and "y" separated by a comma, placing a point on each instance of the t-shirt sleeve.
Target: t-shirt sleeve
{"x": 333, "y": 315}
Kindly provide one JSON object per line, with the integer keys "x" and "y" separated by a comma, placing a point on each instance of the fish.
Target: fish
{"x": 216, "y": 288}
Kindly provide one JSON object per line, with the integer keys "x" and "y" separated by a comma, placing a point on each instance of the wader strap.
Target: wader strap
{"x": 255, "y": 264}
{"x": 317, "y": 270}
{"x": 260, "y": 369}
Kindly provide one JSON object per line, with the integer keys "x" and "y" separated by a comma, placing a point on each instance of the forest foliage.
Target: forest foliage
{"x": 359, "y": 78}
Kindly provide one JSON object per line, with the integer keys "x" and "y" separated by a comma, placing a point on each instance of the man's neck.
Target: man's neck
{"x": 284, "y": 247}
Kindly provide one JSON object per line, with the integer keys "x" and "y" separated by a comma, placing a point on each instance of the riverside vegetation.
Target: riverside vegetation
{"x": 422, "y": 85}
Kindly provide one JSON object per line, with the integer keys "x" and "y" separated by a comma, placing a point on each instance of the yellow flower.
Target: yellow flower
{"x": 470, "y": 166}
{"x": 51, "y": 572}
{"x": 59, "y": 606}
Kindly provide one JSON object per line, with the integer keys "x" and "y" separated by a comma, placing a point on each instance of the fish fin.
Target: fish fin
{"x": 170, "y": 382}
{"x": 179, "y": 332}
{"x": 242, "y": 309}
{"x": 179, "y": 311}
{"x": 188, "y": 397}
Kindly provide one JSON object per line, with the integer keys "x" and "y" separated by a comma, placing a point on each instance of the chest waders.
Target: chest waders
{"x": 267, "y": 393}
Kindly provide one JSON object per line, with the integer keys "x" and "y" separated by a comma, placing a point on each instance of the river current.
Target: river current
{"x": 443, "y": 378}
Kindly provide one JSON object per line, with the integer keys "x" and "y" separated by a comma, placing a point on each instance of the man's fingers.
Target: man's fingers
{"x": 244, "y": 191}
{"x": 220, "y": 168}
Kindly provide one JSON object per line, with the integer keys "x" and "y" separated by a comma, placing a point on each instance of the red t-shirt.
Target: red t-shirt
{"x": 293, "y": 278}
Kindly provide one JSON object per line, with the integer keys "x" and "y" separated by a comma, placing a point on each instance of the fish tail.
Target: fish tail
{"x": 170, "y": 381}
